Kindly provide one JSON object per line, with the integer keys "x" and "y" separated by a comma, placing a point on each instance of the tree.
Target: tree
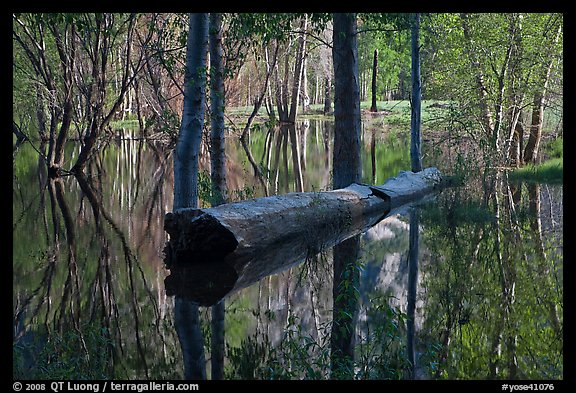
{"x": 49, "y": 44}
{"x": 373, "y": 107}
{"x": 100, "y": 46}
{"x": 298, "y": 70}
{"x": 71, "y": 59}
{"x": 186, "y": 314}
{"x": 492, "y": 66}
{"x": 347, "y": 169}
{"x": 217, "y": 173}
{"x": 551, "y": 37}
{"x": 347, "y": 127}
{"x": 416, "y": 138}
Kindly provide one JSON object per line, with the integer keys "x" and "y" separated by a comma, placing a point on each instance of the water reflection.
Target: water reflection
{"x": 484, "y": 254}
{"x": 85, "y": 276}
{"x": 88, "y": 271}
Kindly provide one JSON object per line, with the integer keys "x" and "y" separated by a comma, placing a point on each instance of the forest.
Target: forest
{"x": 126, "y": 125}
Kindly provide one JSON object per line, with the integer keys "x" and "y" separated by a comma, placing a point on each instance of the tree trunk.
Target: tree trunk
{"x": 412, "y": 291}
{"x": 327, "y": 95}
{"x": 298, "y": 67}
{"x": 533, "y": 144}
{"x": 374, "y": 107}
{"x": 304, "y": 89}
{"x": 186, "y": 315}
{"x": 217, "y": 175}
{"x": 347, "y": 166}
{"x": 515, "y": 152}
{"x": 416, "y": 139}
{"x": 188, "y": 145}
{"x": 236, "y": 244}
{"x": 347, "y": 124}
{"x": 217, "y": 104}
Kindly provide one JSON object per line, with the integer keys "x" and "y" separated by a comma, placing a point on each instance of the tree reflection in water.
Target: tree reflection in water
{"x": 91, "y": 283}
{"x": 87, "y": 262}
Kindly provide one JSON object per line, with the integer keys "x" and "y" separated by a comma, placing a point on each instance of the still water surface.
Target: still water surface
{"x": 88, "y": 273}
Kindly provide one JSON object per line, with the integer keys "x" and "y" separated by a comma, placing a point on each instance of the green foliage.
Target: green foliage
{"x": 482, "y": 291}
{"x": 550, "y": 171}
{"x": 380, "y": 352}
{"x": 387, "y": 33}
{"x": 555, "y": 148}
{"x": 73, "y": 354}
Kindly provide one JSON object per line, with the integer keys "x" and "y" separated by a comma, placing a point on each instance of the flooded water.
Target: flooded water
{"x": 483, "y": 301}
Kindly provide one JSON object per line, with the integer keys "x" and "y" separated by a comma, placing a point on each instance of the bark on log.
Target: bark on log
{"x": 216, "y": 251}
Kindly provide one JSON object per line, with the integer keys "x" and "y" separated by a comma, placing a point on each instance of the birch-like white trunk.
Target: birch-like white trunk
{"x": 186, "y": 313}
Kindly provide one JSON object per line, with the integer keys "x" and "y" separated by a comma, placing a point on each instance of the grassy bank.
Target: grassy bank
{"x": 551, "y": 170}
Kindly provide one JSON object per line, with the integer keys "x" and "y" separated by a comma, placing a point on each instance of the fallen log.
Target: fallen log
{"x": 215, "y": 251}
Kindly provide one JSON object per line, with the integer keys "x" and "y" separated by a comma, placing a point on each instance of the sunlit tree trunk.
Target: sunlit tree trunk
{"x": 298, "y": 68}
{"x": 270, "y": 97}
{"x": 533, "y": 144}
{"x": 304, "y": 89}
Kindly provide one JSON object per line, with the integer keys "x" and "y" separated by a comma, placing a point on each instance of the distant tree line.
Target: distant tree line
{"x": 75, "y": 73}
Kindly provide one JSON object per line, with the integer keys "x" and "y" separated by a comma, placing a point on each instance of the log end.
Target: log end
{"x": 195, "y": 238}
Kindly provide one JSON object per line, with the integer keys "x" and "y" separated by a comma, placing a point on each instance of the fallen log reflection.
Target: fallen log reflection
{"x": 215, "y": 252}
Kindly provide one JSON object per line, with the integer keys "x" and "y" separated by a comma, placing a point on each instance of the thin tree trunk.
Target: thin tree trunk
{"x": 327, "y": 95}
{"x": 217, "y": 104}
{"x": 304, "y": 89}
{"x": 298, "y": 67}
{"x": 374, "y": 108}
{"x": 373, "y": 155}
{"x": 269, "y": 99}
{"x": 217, "y": 175}
{"x": 412, "y": 289}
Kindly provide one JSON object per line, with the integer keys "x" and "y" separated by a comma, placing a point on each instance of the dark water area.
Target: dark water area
{"x": 484, "y": 299}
